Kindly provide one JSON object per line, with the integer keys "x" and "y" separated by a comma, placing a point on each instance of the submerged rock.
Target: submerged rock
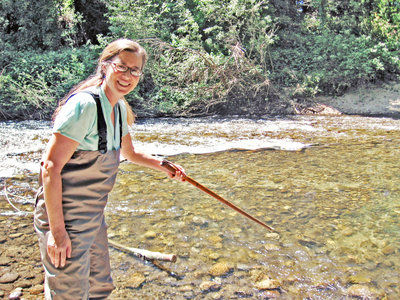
{"x": 267, "y": 284}
{"x": 270, "y": 294}
{"x": 210, "y": 286}
{"x": 358, "y": 279}
{"x": 389, "y": 249}
{"x": 219, "y": 269}
{"x": 150, "y": 235}
{"x": 271, "y": 247}
{"x": 272, "y": 236}
{"x": 15, "y": 294}
{"x": 36, "y": 290}
{"x": 136, "y": 280}
{"x": 9, "y": 277}
{"x": 363, "y": 291}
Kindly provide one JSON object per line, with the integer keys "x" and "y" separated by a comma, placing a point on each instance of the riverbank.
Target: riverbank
{"x": 371, "y": 100}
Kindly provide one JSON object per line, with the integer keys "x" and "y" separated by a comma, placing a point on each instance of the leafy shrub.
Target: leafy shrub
{"x": 32, "y": 82}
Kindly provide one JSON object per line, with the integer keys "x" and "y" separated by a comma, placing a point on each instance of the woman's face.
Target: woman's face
{"x": 119, "y": 83}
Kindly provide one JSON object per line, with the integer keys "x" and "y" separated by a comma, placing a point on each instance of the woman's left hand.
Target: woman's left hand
{"x": 179, "y": 174}
{"x": 175, "y": 171}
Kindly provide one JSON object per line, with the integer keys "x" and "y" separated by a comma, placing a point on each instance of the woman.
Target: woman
{"x": 78, "y": 171}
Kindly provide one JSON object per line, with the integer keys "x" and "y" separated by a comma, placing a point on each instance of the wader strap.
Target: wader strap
{"x": 101, "y": 125}
{"x": 120, "y": 126}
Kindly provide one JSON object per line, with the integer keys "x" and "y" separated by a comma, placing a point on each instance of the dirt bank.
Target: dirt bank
{"x": 372, "y": 100}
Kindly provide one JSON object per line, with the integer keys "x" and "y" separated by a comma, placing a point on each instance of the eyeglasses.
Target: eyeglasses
{"x": 122, "y": 68}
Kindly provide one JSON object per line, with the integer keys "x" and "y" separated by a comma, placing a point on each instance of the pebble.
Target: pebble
{"x": 270, "y": 294}
{"x": 358, "y": 279}
{"x": 272, "y": 236}
{"x": 25, "y": 283}
{"x": 219, "y": 269}
{"x": 361, "y": 291}
{"x": 271, "y": 247}
{"x": 267, "y": 284}
{"x": 15, "y": 294}
{"x": 9, "y": 277}
{"x": 215, "y": 239}
{"x": 214, "y": 256}
{"x": 16, "y": 235}
{"x": 4, "y": 261}
{"x": 199, "y": 221}
{"x": 210, "y": 286}
{"x": 348, "y": 232}
{"x": 150, "y": 235}
{"x": 36, "y": 290}
{"x": 389, "y": 249}
{"x": 136, "y": 280}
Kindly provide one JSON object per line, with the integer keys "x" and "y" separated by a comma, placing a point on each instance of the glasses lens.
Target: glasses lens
{"x": 121, "y": 68}
{"x": 136, "y": 73}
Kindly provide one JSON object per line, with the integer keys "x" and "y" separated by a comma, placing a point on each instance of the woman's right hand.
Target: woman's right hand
{"x": 59, "y": 248}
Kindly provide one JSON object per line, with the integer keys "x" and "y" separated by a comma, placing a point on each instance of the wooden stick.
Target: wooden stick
{"x": 170, "y": 167}
{"x": 145, "y": 254}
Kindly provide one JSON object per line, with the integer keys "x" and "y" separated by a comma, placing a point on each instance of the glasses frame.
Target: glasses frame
{"x": 123, "y": 69}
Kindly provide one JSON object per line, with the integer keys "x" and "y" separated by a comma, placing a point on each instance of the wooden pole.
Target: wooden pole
{"x": 145, "y": 254}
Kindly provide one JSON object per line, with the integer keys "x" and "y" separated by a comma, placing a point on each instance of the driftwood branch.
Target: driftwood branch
{"x": 145, "y": 254}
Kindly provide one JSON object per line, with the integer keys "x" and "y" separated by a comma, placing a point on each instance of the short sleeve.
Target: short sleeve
{"x": 77, "y": 117}
{"x": 124, "y": 116}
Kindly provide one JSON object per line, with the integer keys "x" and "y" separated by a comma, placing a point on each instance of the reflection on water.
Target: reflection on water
{"x": 334, "y": 198}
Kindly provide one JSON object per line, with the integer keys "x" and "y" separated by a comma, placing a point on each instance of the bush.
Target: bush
{"x": 33, "y": 82}
{"x": 330, "y": 63}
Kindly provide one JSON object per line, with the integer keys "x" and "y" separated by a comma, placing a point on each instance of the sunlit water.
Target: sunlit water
{"x": 329, "y": 185}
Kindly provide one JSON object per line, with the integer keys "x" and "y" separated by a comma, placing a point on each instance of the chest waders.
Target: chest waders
{"x": 87, "y": 178}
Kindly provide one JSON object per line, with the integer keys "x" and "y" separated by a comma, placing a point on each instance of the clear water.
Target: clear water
{"x": 328, "y": 185}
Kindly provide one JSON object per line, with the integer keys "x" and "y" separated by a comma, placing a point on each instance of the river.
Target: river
{"x": 329, "y": 185}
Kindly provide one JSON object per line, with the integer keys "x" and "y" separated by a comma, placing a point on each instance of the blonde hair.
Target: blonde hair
{"x": 113, "y": 49}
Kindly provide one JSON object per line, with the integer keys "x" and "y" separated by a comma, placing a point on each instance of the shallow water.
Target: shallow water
{"x": 328, "y": 185}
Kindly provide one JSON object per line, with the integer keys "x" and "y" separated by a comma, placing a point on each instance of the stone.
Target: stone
{"x": 215, "y": 239}
{"x": 210, "y": 286}
{"x": 267, "y": 284}
{"x": 36, "y": 290}
{"x": 24, "y": 283}
{"x": 348, "y": 232}
{"x": 270, "y": 294}
{"x": 358, "y": 290}
{"x": 359, "y": 279}
{"x": 214, "y": 255}
{"x": 150, "y": 235}
{"x": 199, "y": 221}
{"x": 389, "y": 249}
{"x": 219, "y": 269}
{"x": 16, "y": 235}
{"x": 136, "y": 280}
{"x": 271, "y": 247}
{"x": 4, "y": 261}
{"x": 9, "y": 277}
{"x": 272, "y": 236}
{"x": 15, "y": 294}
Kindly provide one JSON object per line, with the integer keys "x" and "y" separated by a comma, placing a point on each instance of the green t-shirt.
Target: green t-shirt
{"x": 77, "y": 120}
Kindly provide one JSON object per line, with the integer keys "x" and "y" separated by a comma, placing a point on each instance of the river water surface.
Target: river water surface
{"x": 330, "y": 186}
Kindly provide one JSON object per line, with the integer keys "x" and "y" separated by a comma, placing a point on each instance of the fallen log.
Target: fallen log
{"x": 142, "y": 253}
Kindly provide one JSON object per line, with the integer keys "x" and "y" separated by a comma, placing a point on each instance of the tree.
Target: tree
{"x": 28, "y": 25}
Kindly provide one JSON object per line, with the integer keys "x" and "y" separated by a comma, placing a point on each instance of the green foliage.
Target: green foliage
{"x": 28, "y": 24}
{"x": 33, "y": 82}
{"x": 331, "y": 63}
{"x": 206, "y": 57}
